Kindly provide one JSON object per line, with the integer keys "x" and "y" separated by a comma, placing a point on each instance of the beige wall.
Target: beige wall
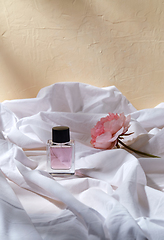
{"x": 100, "y": 42}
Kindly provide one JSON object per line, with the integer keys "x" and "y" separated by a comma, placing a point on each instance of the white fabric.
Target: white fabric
{"x": 114, "y": 195}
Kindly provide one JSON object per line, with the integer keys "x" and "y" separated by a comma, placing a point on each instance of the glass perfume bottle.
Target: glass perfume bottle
{"x": 60, "y": 152}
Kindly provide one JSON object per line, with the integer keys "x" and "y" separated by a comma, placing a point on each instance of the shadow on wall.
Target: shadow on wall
{"x": 16, "y": 74}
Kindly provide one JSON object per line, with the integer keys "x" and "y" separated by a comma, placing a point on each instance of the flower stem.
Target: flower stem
{"x": 136, "y": 151}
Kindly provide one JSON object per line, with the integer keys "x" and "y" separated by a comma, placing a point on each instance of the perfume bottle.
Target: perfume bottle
{"x": 60, "y": 152}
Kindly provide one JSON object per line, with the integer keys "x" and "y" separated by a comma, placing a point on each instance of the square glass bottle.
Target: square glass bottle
{"x": 60, "y": 152}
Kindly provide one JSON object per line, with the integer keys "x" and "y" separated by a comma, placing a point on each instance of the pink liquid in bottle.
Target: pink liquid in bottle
{"x": 61, "y": 157}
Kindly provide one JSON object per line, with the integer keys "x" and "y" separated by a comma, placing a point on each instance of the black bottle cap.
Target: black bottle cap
{"x": 60, "y": 134}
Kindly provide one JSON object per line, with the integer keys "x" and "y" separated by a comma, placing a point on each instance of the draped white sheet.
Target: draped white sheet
{"x": 114, "y": 195}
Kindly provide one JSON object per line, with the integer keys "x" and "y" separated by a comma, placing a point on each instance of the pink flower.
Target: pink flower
{"x": 105, "y": 133}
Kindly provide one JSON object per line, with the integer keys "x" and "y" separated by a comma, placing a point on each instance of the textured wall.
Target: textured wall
{"x": 100, "y": 42}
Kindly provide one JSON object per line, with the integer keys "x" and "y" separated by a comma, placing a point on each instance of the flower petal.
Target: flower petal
{"x": 105, "y": 137}
{"x": 105, "y": 145}
{"x": 113, "y": 126}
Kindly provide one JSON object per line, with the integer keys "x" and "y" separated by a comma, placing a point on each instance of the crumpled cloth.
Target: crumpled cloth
{"x": 115, "y": 194}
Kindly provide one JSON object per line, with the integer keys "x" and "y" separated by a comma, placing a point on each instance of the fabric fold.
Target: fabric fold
{"x": 115, "y": 194}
